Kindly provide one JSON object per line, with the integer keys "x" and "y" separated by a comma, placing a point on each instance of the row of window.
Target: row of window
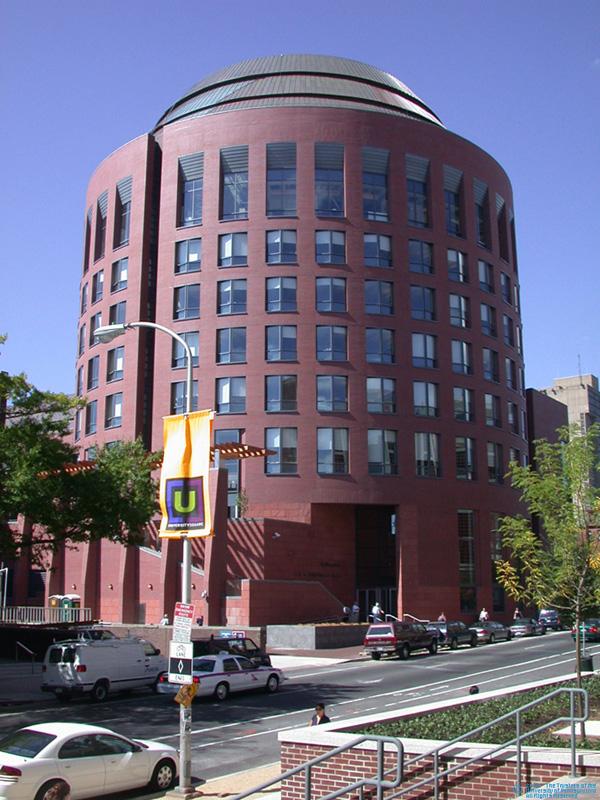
{"x": 118, "y": 282}
{"x": 122, "y": 220}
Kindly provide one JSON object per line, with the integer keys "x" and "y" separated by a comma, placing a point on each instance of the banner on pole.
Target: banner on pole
{"x": 184, "y": 494}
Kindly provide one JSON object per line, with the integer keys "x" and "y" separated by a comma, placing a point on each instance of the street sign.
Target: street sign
{"x": 186, "y": 694}
{"x": 182, "y": 622}
{"x": 180, "y": 662}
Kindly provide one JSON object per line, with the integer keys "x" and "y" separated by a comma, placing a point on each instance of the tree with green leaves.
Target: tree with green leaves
{"x": 554, "y": 554}
{"x": 115, "y": 499}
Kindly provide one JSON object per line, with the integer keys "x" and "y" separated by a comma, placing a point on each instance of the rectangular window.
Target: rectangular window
{"x": 427, "y": 455}
{"x": 458, "y": 269}
{"x": 281, "y": 343}
{"x": 330, "y": 247}
{"x": 114, "y": 364}
{"x": 379, "y": 297}
{"x": 417, "y": 171}
{"x": 84, "y": 299}
{"x": 233, "y": 250}
{"x": 332, "y": 344}
{"x": 380, "y": 346}
{"x": 81, "y": 343}
{"x": 78, "y": 417}
{"x": 281, "y": 393}
{"x": 377, "y": 250}
{"x": 424, "y": 350}
{"x": 466, "y": 562}
{"x": 230, "y": 395}
{"x": 329, "y": 179}
{"x": 280, "y": 295}
{"x": 488, "y": 320}
{"x": 113, "y": 410}
{"x": 117, "y": 313}
{"x": 330, "y": 294}
{"x": 420, "y": 257}
{"x": 284, "y": 441}
{"x": 460, "y": 312}
{"x": 514, "y": 455}
{"x": 519, "y": 340}
{"x": 462, "y": 360}
{"x": 281, "y": 179}
{"x": 191, "y": 184}
{"x": 91, "y": 417}
{"x": 465, "y": 458}
{"x": 186, "y": 301}
{"x": 375, "y": 183}
{"x": 123, "y": 212}
{"x": 506, "y": 288}
{"x": 521, "y": 385}
{"x": 381, "y": 395}
{"x": 425, "y": 399}
{"x": 86, "y": 240}
{"x": 93, "y": 373}
{"x": 97, "y": 286}
{"x": 464, "y": 406}
{"x": 234, "y": 182}
{"x": 231, "y": 297}
{"x": 492, "y": 411}
{"x": 508, "y": 330}
{"x": 452, "y": 200}
{"x": 101, "y": 214}
{"x": 232, "y": 465}
{"x": 332, "y": 451}
{"x": 188, "y": 256}
{"x": 486, "y": 276}
{"x": 482, "y": 212}
{"x": 513, "y": 417}
{"x": 382, "y": 452}
{"x": 502, "y": 223}
{"x": 495, "y": 463}
{"x": 179, "y": 397}
{"x": 422, "y": 303}
{"x": 118, "y": 275}
{"x": 332, "y": 393}
{"x": 231, "y": 345}
{"x": 491, "y": 369}
{"x": 281, "y": 247}
{"x": 79, "y": 383}
{"x": 178, "y": 357}
{"x": 510, "y": 369}
{"x": 95, "y": 322}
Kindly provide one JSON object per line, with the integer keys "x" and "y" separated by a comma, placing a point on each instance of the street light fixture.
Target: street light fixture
{"x": 105, "y": 334}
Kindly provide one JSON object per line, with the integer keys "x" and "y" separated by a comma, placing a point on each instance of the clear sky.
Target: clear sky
{"x": 519, "y": 78}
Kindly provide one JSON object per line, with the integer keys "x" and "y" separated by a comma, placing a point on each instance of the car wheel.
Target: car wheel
{"x": 508, "y": 636}
{"x": 100, "y": 692}
{"x": 51, "y": 789}
{"x": 272, "y": 684}
{"x": 163, "y": 776}
{"x": 433, "y": 647}
{"x": 454, "y": 644}
{"x": 375, "y": 656}
{"x": 473, "y": 641}
{"x": 404, "y": 652}
{"x": 492, "y": 639}
{"x": 221, "y": 691}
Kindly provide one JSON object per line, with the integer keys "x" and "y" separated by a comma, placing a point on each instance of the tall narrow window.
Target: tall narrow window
{"x": 284, "y": 443}
{"x": 425, "y": 399}
{"x": 502, "y": 223}
{"x": 488, "y": 320}
{"x": 491, "y": 369}
{"x": 97, "y": 286}
{"x": 118, "y": 275}
{"x": 330, "y": 294}
{"x": 417, "y": 170}
{"x": 188, "y": 256}
{"x": 506, "y": 288}
{"x": 427, "y": 455}
{"x": 230, "y": 395}
{"x": 495, "y": 463}
{"x": 280, "y": 295}
{"x": 512, "y": 417}
{"x": 234, "y": 182}
{"x": 466, "y": 562}
{"x": 95, "y": 322}
{"x": 460, "y": 312}
{"x": 233, "y": 250}
{"x": 91, "y": 417}
{"x": 332, "y": 344}
{"x": 231, "y": 297}
{"x": 87, "y": 238}
{"x": 123, "y": 212}
{"x": 381, "y": 395}
{"x": 330, "y": 247}
{"x": 465, "y": 458}
{"x": 93, "y": 373}
{"x": 424, "y": 350}
{"x": 486, "y": 276}
{"x": 281, "y": 343}
{"x": 114, "y": 364}
{"x": 231, "y": 345}
{"x": 101, "y": 214}
{"x": 510, "y": 369}
{"x": 117, "y": 313}
{"x": 113, "y": 410}
{"x": 378, "y": 250}
{"x": 84, "y": 299}
{"x": 281, "y": 393}
{"x": 81, "y": 342}
{"x": 178, "y": 356}
{"x": 379, "y": 297}
{"x": 492, "y": 410}
{"x": 332, "y": 393}
{"x": 179, "y": 397}
{"x": 332, "y": 451}
{"x": 508, "y": 330}
{"x": 464, "y": 406}
{"x": 191, "y": 184}
{"x": 457, "y": 266}
{"x": 79, "y": 383}
{"x": 281, "y": 179}
{"x": 329, "y": 179}
{"x": 375, "y": 183}
{"x": 420, "y": 257}
{"x": 462, "y": 360}
{"x": 379, "y": 346}
{"x": 452, "y": 205}
{"x": 281, "y": 247}
{"x": 482, "y": 212}
{"x": 382, "y": 452}
{"x": 422, "y": 302}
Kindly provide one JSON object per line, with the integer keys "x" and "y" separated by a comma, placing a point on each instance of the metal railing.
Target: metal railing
{"x": 29, "y": 652}
{"x": 40, "y": 615}
{"x": 516, "y": 740}
{"x": 378, "y": 780}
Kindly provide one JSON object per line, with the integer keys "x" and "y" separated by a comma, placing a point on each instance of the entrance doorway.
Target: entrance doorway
{"x": 376, "y": 560}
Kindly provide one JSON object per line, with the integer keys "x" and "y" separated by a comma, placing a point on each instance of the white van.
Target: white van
{"x": 80, "y": 666}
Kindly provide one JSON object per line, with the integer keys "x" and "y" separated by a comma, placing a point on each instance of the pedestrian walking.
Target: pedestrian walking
{"x": 483, "y": 615}
{"x": 377, "y": 613}
{"x": 165, "y": 620}
{"x": 355, "y": 612}
{"x": 319, "y": 717}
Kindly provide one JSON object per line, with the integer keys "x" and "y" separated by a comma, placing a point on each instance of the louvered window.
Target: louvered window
{"x": 281, "y": 179}
{"x": 101, "y": 214}
{"x": 329, "y": 179}
{"x": 452, "y": 204}
{"x": 191, "y": 181}
{"x": 123, "y": 212}
{"x": 417, "y": 170}
{"x": 482, "y": 212}
{"x": 234, "y": 182}
{"x": 375, "y": 183}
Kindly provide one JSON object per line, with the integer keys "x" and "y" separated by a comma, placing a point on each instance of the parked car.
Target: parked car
{"x": 88, "y": 759}
{"x": 399, "y": 638}
{"x": 590, "y": 628}
{"x": 221, "y": 674}
{"x": 235, "y": 645}
{"x": 550, "y": 618}
{"x": 491, "y": 631}
{"x": 527, "y": 626}
{"x": 97, "y": 667}
{"x": 451, "y": 634}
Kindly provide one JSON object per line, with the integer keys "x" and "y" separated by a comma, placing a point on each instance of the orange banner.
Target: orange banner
{"x": 184, "y": 494}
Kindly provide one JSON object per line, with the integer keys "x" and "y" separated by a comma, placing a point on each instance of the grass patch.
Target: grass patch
{"x": 456, "y": 721}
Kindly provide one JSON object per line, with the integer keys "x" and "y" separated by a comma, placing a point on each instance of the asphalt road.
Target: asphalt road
{"x": 241, "y": 733}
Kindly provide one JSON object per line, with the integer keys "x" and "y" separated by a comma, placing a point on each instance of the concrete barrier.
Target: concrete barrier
{"x": 315, "y": 637}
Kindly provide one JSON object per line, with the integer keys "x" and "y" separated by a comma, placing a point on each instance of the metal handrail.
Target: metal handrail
{"x": 43, "y": 615}
{"x": 378, "y": 780}
{"x": 27, "y": 650}
{"x": 415, "y": 619}
{"x": 517, "y": 740}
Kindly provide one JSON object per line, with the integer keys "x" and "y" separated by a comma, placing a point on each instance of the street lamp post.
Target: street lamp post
{"x": 105, "y": 334}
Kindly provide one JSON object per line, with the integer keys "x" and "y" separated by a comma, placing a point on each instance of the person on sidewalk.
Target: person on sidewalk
{"x": 483, "y": 615}
{"x": 319, "y": 717}
{"x": 377, "y": 613}
{"x": 355, "y": 612}
{"x": 164, "y": 621}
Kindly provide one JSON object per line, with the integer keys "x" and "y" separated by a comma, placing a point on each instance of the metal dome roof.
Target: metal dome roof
{"x": 299, "y": 80}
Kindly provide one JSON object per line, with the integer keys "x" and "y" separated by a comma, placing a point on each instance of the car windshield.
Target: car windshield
{"x": 26, "y": 743}
{"x": 379, "y": 630}
{"x": 203, "y": 665}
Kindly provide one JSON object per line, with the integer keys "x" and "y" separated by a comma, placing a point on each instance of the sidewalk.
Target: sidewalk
{"x": 230, "y": 785}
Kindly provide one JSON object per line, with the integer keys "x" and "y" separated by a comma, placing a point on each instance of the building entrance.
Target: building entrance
{"x": 376, "y": 560}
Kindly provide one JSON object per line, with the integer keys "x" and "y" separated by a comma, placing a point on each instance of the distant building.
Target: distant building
{"x": 544, "y": 415}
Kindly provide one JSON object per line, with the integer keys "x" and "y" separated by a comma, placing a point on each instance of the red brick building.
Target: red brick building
{"x": 345, "y": 269}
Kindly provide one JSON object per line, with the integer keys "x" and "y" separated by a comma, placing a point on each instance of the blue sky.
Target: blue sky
{"x": 520, "y": 79}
